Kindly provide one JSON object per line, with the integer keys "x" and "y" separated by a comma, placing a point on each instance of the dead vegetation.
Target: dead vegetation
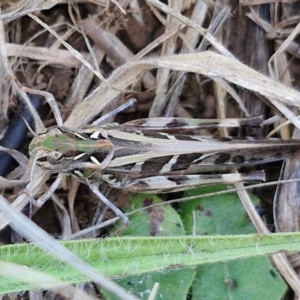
{"x": 192, "y": 59}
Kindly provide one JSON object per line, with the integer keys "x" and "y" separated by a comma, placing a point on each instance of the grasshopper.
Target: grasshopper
{"x": 145, "y": 156}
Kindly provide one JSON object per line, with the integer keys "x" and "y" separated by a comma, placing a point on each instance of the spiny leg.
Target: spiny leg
{"x": 95, "y": 189}
{"x": 48, "y": 96}
{"x": 51, "y": 101}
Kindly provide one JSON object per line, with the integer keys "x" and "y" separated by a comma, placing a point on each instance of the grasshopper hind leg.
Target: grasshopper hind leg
{"x": 95, "y": 189}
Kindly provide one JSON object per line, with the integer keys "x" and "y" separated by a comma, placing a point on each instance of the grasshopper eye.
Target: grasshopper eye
{"x": 55, "y": 157}
{"x": 41, "y": 159}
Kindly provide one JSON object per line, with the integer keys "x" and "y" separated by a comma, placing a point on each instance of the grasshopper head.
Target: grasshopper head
{"x": 59, "y": 149}
{"x": 48, "y": 156}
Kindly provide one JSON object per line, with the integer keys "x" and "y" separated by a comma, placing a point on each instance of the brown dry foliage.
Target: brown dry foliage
{"x": 250, "y": 72}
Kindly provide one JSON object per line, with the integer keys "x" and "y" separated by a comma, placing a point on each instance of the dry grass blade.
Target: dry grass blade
{"x": 22, "y": 200}
{"x": 9, "y": 184}
{"x": 69, "y": 47}
{"x": 83, "y": 80}
{"x": 4, "y": 70}
{"x": 186, "y": 21}
{"x": 18, "y": 156}
{"x": 25, "y": 7}
{"x": 190, "y": 39}
{"x": 203, "y": 85}
{"x": 113, "y": 47}
{"x": 207, "y": 63}
{"x": 163, "y": 75}
{"x": 57, "y": 56}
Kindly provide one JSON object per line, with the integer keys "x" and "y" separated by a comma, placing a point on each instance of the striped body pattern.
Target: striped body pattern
{"x": 145, "y": 156}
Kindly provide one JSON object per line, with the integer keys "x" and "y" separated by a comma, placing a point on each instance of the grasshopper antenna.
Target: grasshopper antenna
{"x": 122, "y": 107}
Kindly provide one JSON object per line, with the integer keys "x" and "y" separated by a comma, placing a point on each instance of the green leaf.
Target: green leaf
{"x": 254, "y": 277}
{"x": 138, "y": 255}
{"x": 217, "y": 214}
{"x": 173, "y": 284}
{"x": 223, "y": 214}
{"x": 156, "y": 221}
{"x": 251, "y": 278}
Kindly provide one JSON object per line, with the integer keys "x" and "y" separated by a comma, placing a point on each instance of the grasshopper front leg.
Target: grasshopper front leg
{"x": 82, "y": 155}
{"x": 58, "y": 149}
